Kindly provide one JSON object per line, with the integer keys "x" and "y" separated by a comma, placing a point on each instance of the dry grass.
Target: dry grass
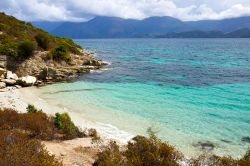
{"x": 17, "y": 149}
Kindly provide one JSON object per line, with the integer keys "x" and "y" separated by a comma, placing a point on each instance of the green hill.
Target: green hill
{"x": 19, "y": 39}
{"x": 32, "y": 51}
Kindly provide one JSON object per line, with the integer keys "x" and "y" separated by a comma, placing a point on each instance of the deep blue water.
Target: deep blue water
{"x": 189, "y": 90}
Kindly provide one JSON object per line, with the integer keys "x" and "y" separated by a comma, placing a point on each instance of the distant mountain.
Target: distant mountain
{"x": 114, "y": 27}
{"x": 47, "y": 25}
{"x": 242, "y": 33}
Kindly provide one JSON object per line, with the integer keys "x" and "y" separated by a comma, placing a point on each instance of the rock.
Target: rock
{"x": 208, "y": 146}
{"x": 27, "y": 81}
{"x": 2, "y": 85}
{"x": 2, "y": 64}
{"x": 93, "y": 63}
{"x": 2, "y": 71}
{"x": 10, "y": 75}
{"x": 48, "y": 73}
{"x": 9, "y": 81}
{"x": 245, "y": 139}
{"x": 18, "y": 86}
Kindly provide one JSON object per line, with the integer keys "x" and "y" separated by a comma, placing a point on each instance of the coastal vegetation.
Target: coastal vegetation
{"x": 151, "y": 151}
{"x": 21, "y": 135}
{"x": 20, "y": 39}
{"x": 56, "y": 59}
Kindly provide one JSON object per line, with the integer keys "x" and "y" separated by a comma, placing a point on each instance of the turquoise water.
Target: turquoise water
{"x": 188, "y": 90}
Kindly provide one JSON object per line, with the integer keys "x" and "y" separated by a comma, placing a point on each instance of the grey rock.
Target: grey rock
{"x": 10, "y": 75}
{"x": 27, "y": 81}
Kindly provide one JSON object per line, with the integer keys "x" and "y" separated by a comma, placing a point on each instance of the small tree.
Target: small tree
{"x": 42, "y": 41}
{"x": 63, "y": 122}
{"x": 26, "y": 49}
{"x": 61, "y": 53}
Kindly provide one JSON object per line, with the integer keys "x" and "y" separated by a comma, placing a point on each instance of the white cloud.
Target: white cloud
{"x": 80, "y": 10}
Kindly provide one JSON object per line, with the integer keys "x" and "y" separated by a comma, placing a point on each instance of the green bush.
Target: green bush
{"x": 26, "y": 49}
{"x": 32, "y": 109}
{"x": 9, "y": 50}
{"x": 63, "y": 122}
{"x": 42, "y": 41}
{"x": 60, "y": 53}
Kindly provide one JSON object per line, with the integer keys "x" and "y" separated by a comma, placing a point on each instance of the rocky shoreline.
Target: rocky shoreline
{"x": 39, "y": 71}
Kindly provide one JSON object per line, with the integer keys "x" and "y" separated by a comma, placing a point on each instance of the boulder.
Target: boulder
{"x": 27, "y": 81}
{"x": 10, "y": 75}
{"x": 2, "y": 85}
{"x": 93, "y": 62}
{"x": 9, "y": 81}
{"x": 48, "y": 73}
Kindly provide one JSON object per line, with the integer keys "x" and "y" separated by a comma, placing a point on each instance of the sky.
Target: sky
{"x": 83, "y": 10}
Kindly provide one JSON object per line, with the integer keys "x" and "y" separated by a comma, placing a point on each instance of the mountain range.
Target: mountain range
{"x": 114, "y": 27}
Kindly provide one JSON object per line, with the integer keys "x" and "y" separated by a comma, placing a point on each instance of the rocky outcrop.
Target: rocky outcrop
{"x": 48, "y": 71}
{"x": 39, "y": 70}
{"x": 27, "y": 81}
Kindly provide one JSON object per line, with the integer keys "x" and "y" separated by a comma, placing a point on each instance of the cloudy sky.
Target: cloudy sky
{"x": 81, "y": 10}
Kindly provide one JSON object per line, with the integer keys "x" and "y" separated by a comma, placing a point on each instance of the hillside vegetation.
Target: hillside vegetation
{"x": 20, "y": 39}
{"x": 30, "y": 51}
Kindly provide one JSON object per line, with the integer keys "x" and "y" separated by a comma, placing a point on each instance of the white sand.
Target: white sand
{"x": 79, "y": 151}
{"x": 73, "y": 152}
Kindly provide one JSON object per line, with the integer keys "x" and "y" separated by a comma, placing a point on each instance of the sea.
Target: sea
{"x": 193, "y": 93}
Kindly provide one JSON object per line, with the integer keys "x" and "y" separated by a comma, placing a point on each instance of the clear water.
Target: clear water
{"x": 189, "y": 90}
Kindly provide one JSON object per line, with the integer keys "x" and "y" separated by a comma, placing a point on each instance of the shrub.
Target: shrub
{"x": 245, "y": 161}
{"x": 140, "y": 151}
{"x": 110, "y": 156}
{"x": 148, "y": 151}
{"x": 37, "y": 125}
{"x": 42, "y": 41}
{"x": 95, "y": 137}
{"x": 26, "y": 49}
{"x": 60, "y": 53}
{"x": 3, "y": 27}
{"x": 9, "y": 50}
{"x": 221, "y": 161}
{"x": 32, "y": 109}
{"x": 18, "y": 149}
{"x": 63, "y": 122}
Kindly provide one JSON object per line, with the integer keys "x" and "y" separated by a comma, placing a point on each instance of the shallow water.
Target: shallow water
{"x": 188, "y": 90}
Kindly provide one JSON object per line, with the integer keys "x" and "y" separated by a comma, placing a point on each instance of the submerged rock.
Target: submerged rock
{"x": 208, "y": 146}
{"x": 27, "y": 81}
{"x": 245, "y": 139}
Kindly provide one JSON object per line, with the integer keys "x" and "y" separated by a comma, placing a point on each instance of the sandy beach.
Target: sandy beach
{"x": 79, "y": 151}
